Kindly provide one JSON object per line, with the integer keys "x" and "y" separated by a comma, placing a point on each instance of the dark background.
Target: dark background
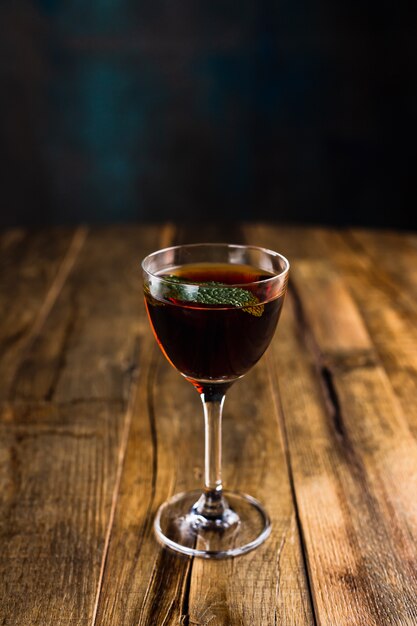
{"x": 117, "y": 110}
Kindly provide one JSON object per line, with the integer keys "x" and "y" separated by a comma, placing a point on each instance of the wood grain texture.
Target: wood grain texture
{"x": 353, "y": 457}
{"x": 87, "y": 347}
{"x": 96, "y": 430}
{"x": 32, "y": 271}
{"x": 65, "y": 427}
{"x": 375, "y": 270}
{"x": 56, "y": 477}
{"x": 378, "y": 268}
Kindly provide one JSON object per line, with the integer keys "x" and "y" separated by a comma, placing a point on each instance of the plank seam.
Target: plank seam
{"x": 324, "y": 371}
{"x": 279, "y": 411}
{"x": 120, "y": 464}
{"x": 62, "y": 355}
{"x": 185, "y": 600}
{"x": 57, "y": 284}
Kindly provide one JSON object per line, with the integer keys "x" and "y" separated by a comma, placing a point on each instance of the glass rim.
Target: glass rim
{"x": 225, "y": 245}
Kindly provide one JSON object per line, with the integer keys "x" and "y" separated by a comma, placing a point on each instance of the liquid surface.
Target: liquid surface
{"x": 221, "y": 341}
{"x": 226, "y": 273}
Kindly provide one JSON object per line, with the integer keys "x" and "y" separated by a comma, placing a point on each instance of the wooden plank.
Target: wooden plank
{"x": 383, "y": 291}
{"x": 395, "y": 253}
{"x": 57, "y": 472}
{"x": 165, "y": 456}
{"x": 352, "y": 454}
{"x": 387, "y": 299}
{"x": 67, "y": 433}
{"x": 341, "y": 331}
{"x": 88, "y": 343}
{"x": 33, "y": 268}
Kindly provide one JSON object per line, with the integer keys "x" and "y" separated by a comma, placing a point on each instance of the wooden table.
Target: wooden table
{"x": 97, "y": 430}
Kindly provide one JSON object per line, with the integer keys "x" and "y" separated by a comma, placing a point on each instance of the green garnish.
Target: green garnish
{"x": 211, "y": 293}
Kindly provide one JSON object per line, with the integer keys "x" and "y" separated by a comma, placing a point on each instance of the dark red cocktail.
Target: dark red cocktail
{"x": 218, "y": 340}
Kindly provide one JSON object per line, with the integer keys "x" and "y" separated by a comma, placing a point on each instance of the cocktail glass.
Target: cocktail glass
{"x": 213, "y": 309}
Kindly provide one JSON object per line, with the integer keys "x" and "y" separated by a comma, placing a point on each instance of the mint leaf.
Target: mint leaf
{"x": 211, "y": 293}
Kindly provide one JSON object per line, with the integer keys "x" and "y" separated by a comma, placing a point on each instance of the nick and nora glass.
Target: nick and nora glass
{"x": 213, "y": 309}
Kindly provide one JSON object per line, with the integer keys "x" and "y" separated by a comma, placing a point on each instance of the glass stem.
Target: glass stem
{"x": 211, "y": 503}
{"x": 213, "y": 409}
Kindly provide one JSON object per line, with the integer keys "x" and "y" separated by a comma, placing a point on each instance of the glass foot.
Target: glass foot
{"x": 197, "y": 525}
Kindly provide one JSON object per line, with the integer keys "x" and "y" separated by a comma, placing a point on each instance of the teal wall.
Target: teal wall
{"x": 121, "y": 110}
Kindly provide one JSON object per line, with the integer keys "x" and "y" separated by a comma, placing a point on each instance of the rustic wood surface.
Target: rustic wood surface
{"x": 97, "y": 430}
